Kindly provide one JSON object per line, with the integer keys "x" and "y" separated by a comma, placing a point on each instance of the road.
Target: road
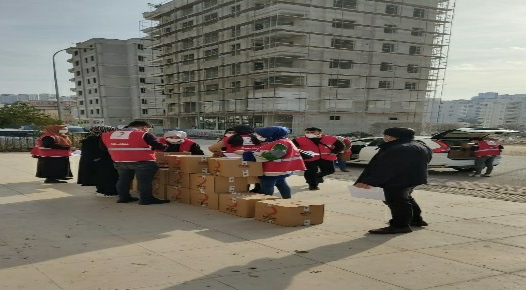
{"x": 507, "y": 182}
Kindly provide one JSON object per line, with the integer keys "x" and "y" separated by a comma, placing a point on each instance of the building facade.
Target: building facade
{"x": 343, "y": 65}
{"x": 114, "y": 82}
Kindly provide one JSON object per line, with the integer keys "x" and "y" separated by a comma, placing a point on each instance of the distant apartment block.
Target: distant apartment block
{"x": 343, "y": 65}
{"x": 114, "y": 83}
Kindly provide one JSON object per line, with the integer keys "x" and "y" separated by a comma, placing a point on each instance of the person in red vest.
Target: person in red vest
{"x": 177, "y": 142}
{"x": 243, "y": 139}
{"x": 132, "y": 152}
{"x": 280, "y": 159}
{"x": 485, "y": 152}
{"x": 53, "y": 149}
{"x": 319, "y": 153}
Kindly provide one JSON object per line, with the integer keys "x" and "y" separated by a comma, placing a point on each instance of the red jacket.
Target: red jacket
{"x": 487, "y": 148}
{"x": 184, "y": 147}
{"x": 248, "y": 145}
{"x": 41, "y": 151}
{"x": 324, "y": 148}
{"x": 291, "y": 161}
{"x": 128, "y": 146}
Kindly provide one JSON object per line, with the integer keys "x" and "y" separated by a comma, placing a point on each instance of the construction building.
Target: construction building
{"x": 342, "y": 65}
{"x": 114, "y": 82}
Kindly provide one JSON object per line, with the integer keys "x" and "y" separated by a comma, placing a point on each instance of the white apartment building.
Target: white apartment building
{"x": 114, "y": 82}
{"x": 507, "y": 111}
{"x": 342, "y": 65}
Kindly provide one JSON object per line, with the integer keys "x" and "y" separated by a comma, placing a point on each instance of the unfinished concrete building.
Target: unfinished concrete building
{"x": 342, "y": 65}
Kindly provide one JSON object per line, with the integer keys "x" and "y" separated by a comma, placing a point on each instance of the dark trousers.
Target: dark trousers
{"x": 485, "y": 161}
{"x": 316, "y": 170}
{"x": 403, "y": 206}
{"x": 268, "y": 183}
{"x": 144, "y": 171}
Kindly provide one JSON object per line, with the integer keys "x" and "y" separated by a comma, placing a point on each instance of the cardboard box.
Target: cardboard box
{"x": 161, "y": 176}
{"x": 188, "y": 164}
{"x": 289, "y": 212}
{"x": 178, "y": 178}
{"x": 241, "y": 204}
{"x": 178, "y": 194}
{"x": 229, "y": 167}
{"x": 133, "y": 186}
{"x": 159, "y": 190}
{"x": 162, "y": 161}
{"x": 218, "y": 184}
{"x": 204, "y": 199}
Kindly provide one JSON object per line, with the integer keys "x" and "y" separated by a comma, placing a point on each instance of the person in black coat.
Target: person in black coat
{"x": 96, "y": 166}
{"x": 399, "y": 166}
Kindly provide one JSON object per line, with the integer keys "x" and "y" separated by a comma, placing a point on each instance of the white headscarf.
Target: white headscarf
{"x": 175, "y": 137}
{"x": 175, "y": 134}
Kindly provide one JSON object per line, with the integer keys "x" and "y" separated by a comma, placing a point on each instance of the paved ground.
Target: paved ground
{"x": 63, "y": 237}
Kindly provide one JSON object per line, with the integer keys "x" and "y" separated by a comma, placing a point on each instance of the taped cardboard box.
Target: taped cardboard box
{"x": 218, "y": 184}
{"x": 178, "y": 178}
{"x": 241, "y": 204}
{"x": 188, "y": 163}
{"x": 204, "y": 199}
{"x": 161, "y": 176}
{"x": 159, "y": 190}
{"x": 230, "y": 167}
{"x": 178, "y": 194}
{"x": 162, "y": 161}
{"x": 290, "y": 213}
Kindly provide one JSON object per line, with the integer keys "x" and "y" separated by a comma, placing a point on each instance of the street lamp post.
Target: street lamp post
{"x": 57, "y": 95}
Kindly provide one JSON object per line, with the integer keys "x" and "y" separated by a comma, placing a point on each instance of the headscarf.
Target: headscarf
{"x": 243, "y": 129}
{"x": 60, "y": 139}
{"x": 273, "y": 133}
{"x": 177, "y": 134}
{"x": 97, "y": 131}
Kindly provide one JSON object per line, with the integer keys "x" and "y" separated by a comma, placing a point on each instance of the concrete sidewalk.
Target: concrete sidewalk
{"x": 63, "y": 237}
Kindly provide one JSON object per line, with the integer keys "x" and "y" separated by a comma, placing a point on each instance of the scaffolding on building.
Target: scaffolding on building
{"x": 256, "y": 61}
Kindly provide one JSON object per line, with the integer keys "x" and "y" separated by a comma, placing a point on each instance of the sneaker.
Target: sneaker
{"x": 344, "y": 170}
{"x": 154, "y": 201}
{"x": 419, "y": 223}
{"x": 390, "y": 230}
{"x": 474, "y": 175}
{"x": 127, "y": 199}
{"x": 106, "y": 195}
{"x": 487, "y": 175}
{"x": 312, "y": 187}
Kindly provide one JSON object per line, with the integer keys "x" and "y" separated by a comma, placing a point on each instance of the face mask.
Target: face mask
{"x": 174, "y": 140}
{"x": 312, "y": 136}
{"x": 63, "y": 131}
{"x": 228, "y": 135}
{"x": 260, "y": 138}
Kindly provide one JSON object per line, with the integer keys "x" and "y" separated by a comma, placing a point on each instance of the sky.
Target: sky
{"x": 487, "y": 50}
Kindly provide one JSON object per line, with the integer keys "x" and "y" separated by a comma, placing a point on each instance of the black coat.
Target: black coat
{"x": 96, "y": 167}
{"x": 398, "y": 163}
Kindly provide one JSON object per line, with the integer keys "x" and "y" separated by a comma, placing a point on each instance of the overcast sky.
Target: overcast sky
{"x": 487, "y": 52}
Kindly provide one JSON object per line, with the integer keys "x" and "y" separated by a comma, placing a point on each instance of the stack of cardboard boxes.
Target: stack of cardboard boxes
{"x": 222, "y": 184}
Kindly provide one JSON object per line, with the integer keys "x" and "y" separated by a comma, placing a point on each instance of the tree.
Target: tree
{"x": 20, "y": 114}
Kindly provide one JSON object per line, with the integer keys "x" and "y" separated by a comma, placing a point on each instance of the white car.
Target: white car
{"x": 450, "y": 148}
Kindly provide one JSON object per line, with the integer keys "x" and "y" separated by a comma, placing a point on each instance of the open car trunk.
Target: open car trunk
{"x": 460, "y": 141}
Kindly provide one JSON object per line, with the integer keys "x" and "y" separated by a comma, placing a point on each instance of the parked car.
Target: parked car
{"x": 451, "y": 149}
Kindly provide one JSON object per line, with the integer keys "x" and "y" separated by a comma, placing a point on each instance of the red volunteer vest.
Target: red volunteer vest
{"x": 292, "y": 161}
{"x": 41, "y": 151}
{"x": 324, "y": 148}
{"x": 487, "y": 148}
{"x": 184, "y": 147}
{"x": 128, "y": 146}
{"x": 248, "y": 145}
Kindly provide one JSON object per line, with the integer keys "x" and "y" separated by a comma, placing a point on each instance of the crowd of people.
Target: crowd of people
{"x": 111, "y": 158}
